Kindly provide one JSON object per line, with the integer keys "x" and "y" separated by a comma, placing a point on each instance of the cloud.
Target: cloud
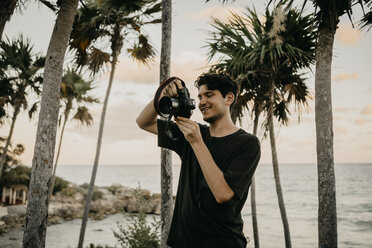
{"x": 367, "y": 110}
{"x": 361, "y": 121}
{"x": 340, "y": 130}
{"x": 220, "y": 13}
{"x": 343, "y": 109}
{"x": 344, "y": 76}
{"x": 120, "y": 123}
{"x": 347, "y": 35}
{"x": 187, "y": 65}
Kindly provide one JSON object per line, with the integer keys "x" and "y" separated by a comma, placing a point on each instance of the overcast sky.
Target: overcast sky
{"x": 124, "y": 143}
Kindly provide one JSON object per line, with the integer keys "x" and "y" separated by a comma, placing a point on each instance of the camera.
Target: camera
{"x": 182, "y": 106}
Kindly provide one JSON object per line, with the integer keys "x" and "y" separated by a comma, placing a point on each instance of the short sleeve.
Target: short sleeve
{"x": 240, "y": 171}
{"x": 165, "y": 141}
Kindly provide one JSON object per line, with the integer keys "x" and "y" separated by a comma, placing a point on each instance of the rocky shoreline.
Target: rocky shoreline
{"x": 69, "y": 204}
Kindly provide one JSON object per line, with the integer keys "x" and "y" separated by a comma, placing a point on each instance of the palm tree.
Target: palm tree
{"x": 327, "y": 14}
{"x": 114, "y": 21}
{"x": 166, "y": 155}
{"x": 366, "y": 21}
{"x": 7, "y": 8}
{"x": 42, "y": 163}
{"x": 74, "y": 90}
{"x": 20, "y": 76}
{"x": 258, "y": 54}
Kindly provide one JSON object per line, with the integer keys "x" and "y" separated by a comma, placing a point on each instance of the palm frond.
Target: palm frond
{"x": 83, "y": 115}
{"x": 142, "y": 52}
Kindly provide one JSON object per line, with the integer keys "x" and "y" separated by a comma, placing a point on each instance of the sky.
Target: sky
{"x": 134, "y": 86}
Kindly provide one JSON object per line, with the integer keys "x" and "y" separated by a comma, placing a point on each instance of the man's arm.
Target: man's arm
{"x": 212, "y": 173}
{"x": 147, "y": 119}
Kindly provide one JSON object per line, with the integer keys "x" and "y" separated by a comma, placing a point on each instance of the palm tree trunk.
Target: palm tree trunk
{"x": 42, "y": 163}
{"x": 6, "y": 11}
{"x": 51, "y": 186}
{"x": 166, "y": 155}
{"x": 327, "y": 214}
{"x": 5, "y": 150}
{"x": 98, "y": 151}
{"x": 253, "y": 195}
{"x": 278, "y": 186}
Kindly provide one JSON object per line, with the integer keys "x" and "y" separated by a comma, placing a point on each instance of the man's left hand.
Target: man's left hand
{"x": 190, "y": 129}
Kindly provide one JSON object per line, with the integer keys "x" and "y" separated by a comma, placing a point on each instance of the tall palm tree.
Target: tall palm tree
{"x": 42, "y": 163}
{"x": 7, "y": 8}
{"x": 20, "y": 76}
{"x": 114, "y": 21}
{"x": 166, "y": 155}
{"x": 328, "y": 15}
{"x": 74, "y": 90}
{"x": 258, "y": 54}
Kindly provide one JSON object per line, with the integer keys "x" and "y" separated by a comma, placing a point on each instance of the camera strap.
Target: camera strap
{"x": 162, "y": 86}
{"x": 160, "y": 90}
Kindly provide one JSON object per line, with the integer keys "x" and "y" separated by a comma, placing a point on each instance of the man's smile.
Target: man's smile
{"x": 204, "y": 109}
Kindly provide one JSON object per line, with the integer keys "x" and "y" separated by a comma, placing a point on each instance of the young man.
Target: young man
{"x": 218, "y": 162}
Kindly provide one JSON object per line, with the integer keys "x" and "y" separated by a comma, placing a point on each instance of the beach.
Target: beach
{"x": 299, "y": 182}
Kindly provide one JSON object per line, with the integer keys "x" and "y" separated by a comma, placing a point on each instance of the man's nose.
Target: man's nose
{"x": 202, "y": 101}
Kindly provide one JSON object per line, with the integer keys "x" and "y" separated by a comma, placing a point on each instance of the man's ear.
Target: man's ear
{"x": 229, "y": 98}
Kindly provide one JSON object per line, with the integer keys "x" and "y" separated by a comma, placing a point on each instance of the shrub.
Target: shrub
{"x": 97, "y": 195}
{"x": 113, "y": 188}
{"x": 139, "y": 233}
{"x": 68, "y": 192}
{"x": 59, "y": 185}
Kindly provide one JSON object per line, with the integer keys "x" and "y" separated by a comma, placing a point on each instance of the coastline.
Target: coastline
{"x": 69, "y": 205}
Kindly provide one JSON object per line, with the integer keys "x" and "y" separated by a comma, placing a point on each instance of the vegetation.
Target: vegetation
{"x": 74, "y": 95}
{"x": 264, "y": 57}
{"x": 16, "y": 173}
{"x": 19, "y": 77}
{"x": 112, "y": 23}
{"x": 138, "y": 232}
{"x": 42, "y": 163}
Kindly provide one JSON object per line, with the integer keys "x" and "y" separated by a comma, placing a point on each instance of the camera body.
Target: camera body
{"x": 182, "y": 106}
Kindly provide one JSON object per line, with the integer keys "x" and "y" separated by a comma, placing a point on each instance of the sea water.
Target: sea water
{"x": 299, "y": 185}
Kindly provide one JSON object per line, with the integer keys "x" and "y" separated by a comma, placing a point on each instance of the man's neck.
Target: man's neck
{"x": 222, "y": 127}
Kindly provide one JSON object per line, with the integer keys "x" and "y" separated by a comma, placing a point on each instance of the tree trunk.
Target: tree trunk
{"x": 278, "y": 186}
{"x": 7, "y": 8}
{"x": 5, "y": 150}
{"x": 253, "y": 195}
{"x": 42, "y": 163}
{"x": 98, "y": 151}
{"x": 51, "y": 186}
{"x": 327, "y": 214}
{"x": 166, "y": 155}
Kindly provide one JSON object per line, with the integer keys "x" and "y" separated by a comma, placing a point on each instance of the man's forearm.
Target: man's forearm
{"x": 147, "y": 118}
{"x": 212, "y": 173}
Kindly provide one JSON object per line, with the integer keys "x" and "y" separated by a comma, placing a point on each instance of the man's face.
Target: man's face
{"x": 212, "y": 104}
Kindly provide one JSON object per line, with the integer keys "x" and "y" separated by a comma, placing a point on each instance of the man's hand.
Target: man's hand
{"x": 171, "y": 89}
{"x": 190, "y": 129}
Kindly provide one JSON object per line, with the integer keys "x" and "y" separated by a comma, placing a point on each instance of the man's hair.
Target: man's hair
{"x": 220, "y": 82}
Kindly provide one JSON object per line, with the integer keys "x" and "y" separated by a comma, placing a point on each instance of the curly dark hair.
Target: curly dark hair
{"x": 220, "y": 82}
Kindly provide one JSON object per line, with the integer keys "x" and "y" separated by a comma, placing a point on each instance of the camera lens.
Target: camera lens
{"x": 168, "y": 105}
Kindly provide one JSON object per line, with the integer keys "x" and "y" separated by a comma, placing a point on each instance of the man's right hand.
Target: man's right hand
{"x": 171, "y": 89}
{"x": 147, "y": 119}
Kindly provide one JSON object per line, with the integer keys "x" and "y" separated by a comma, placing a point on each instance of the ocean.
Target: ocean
{"x": 299, "y": 184}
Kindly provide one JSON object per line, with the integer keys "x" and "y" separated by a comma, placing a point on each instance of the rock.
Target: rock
{"x": 3, "y": 211}
{"x": 17, "y": 209}
{"x": 114, "y": 199}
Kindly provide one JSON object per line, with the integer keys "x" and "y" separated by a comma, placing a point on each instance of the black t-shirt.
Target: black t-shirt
{"x": 198, "y": 220}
